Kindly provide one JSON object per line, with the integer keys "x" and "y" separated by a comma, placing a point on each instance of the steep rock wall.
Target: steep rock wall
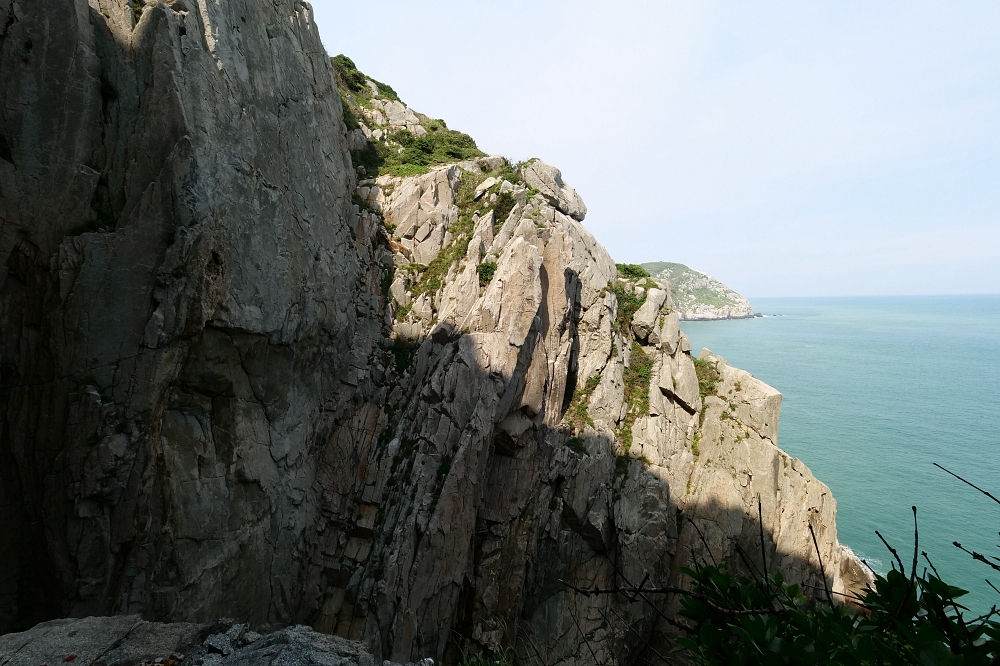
{"x": 234, "y": 384}
{"x": 186, "y": 304}
{"x": 541, "y": 436}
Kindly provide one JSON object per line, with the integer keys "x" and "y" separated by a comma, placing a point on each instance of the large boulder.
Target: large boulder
{"x": 548, "y": 181}
{"x": 646, "y": 319}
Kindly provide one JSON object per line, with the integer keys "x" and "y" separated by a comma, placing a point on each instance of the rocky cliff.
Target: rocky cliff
{"x": 407, "y": 409}
{"x": 699, "y": 297}
{"x": 188, "y": 309}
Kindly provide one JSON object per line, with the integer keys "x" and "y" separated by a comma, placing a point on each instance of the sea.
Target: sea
{"x": 875, "y": 391}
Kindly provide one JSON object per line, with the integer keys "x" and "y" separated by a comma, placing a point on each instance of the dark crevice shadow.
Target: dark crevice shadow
{"x": 547, "y": 513}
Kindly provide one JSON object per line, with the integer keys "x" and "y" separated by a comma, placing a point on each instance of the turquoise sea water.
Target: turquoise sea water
{"x": 875, "y": 391}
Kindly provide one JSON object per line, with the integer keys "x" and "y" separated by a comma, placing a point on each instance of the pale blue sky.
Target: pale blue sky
{"x": 786, "y": 148}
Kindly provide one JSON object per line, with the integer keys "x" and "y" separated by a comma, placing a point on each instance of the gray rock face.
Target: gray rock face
{"x": 493, "y": 508}
{"x": 128, "y": 641}
{"x": 647, "y": 317}
{"x": 188, "y": 306}
{"x": 548, "y": 180}
{"x": 227, "y": 390}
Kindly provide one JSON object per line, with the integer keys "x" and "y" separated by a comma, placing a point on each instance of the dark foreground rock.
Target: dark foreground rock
{"x": 130, "y": 641}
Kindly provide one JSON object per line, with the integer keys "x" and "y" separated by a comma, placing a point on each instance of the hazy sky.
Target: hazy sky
{"x": 786, "y": 148}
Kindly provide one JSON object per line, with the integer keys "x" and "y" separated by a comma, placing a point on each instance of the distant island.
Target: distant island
{"x": 699, "y": 297}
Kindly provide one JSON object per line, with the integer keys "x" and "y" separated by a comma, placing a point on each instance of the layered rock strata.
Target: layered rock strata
{"x": 238, "y": 382}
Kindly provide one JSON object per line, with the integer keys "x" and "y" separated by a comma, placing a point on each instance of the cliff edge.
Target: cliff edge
{"x": 271, "y": 355}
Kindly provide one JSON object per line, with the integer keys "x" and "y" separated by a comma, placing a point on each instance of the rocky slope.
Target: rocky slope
{"x": 237, "y": 381}
{"x": 698, "y": 296}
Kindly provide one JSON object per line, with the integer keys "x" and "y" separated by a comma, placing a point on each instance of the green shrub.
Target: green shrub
{"x": 368, "y": 158}
{"x": 576, "y": 415}
{"x": 499, "y": 658}
{"x": 903, "y": 619}
{"x": 420, "y": 153}
{"x": 628, "y": 305}
{"x": 349, "y": 118}
{"x": 632, "y": 271}
{"x": 504, "y": 204}
{"x": 346, "y": 74}
{"x": 486, "y": 271}
{"x": 636, "y": 379}
{"x": 708, "y": 377}
{"x": 385, "y": 90}
{"x": 432, "y": 276}
{"x": 575, "y": 444}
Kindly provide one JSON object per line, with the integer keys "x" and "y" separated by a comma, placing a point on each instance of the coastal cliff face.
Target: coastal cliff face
{"x": 236, "y": 381}
{"x": 563, "y": 432}
{"x": 699, "y": 297}
{"x": 185, "y": 309}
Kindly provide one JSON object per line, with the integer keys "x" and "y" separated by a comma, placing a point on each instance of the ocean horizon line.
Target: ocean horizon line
{"x": 841, "y": 296}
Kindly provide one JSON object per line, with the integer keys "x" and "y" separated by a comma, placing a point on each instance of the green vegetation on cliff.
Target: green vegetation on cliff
{"x": 396, "y": 151}
{"x": 349, "y": 78}
{"x": 907, "y": 617}
{"x": 632, "y": 271}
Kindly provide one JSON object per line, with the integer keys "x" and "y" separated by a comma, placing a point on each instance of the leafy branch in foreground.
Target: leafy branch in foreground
{"x": 905, "y": 617}
{"x": 902, "y": 619}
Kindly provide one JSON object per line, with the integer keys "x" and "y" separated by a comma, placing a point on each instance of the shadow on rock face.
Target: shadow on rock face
{"x": 184, "y": 307}
{"x": 207, "y": 408}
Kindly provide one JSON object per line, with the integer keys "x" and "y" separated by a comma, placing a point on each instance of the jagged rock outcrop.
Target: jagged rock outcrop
{"x": 238, "y": 382}
{"x": 548, "y": 181}
{"x": 558, "y": 439}
{"x": 698, "y": 297}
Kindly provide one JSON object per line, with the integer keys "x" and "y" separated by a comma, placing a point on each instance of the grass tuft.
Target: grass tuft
{"x": 636, "y": 379}
{"x": 504, "y": 204}
{"x": 577, "y": 415}
{"x": 576, "y": 445}
{"x": 708, "y": 377}
{"x": 628, "y": 305}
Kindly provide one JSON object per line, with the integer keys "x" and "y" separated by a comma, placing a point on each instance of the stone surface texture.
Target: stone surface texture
{"x": 548, "y": 180}
{"x": 127, "y": 640}
{"x": 238, "y": 382}
{"x": 189, "y": 306}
